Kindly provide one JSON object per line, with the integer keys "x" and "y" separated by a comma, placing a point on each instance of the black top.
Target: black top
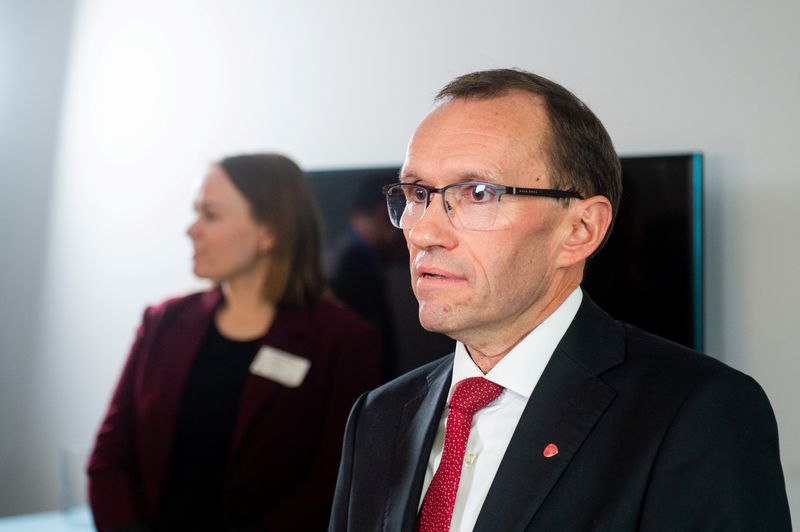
{"x": 193, "y": 487}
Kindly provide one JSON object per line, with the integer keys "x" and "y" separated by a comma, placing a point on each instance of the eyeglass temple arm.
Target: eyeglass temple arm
{"x": 550, "y": 193}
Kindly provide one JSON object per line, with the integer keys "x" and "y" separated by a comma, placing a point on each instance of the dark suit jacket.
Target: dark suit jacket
{"x": 287, "y": 441}
{"x": 651, "y": 436}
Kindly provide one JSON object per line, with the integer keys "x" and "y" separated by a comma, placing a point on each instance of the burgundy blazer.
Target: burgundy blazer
{"x": 282, "y": 462}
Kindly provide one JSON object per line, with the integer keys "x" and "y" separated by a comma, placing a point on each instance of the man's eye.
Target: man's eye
{"x": 417, "y": 195}
{"x": 480, "y": 193}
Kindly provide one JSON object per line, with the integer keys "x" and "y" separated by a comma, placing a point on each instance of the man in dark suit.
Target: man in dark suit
{"x": 356, "y": 264}
{"x": 550, "y": 415}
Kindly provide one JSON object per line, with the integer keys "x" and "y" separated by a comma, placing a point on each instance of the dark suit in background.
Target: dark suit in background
{"x": 281, "y": 466}
{"x": 357, "y": 277}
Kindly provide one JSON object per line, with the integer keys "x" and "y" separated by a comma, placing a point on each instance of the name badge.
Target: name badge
{"x": 280, "y": 366}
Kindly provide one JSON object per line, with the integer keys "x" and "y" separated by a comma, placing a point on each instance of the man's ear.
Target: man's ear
{"x": 589, "y": 221}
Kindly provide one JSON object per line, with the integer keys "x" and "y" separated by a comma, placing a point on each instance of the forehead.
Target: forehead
{"x": 217, "y": 188}
{"x": 498, "y": 138}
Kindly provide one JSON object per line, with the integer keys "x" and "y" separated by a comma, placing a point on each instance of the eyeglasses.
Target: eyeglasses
{"x": 470, "y": 205}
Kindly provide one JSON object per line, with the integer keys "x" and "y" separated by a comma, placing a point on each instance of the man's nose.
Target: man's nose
{"x": 434, "y": 227}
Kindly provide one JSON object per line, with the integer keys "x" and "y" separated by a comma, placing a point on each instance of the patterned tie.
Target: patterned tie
{"x": 469, "y": 396}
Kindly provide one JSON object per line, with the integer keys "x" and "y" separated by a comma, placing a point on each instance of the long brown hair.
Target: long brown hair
{"x": 279, "y": 195}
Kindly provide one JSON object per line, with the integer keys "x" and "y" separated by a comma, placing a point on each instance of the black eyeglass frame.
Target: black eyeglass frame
{"x": 500, "y": 189}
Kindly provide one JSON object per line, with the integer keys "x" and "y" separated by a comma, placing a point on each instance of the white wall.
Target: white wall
{"x": 156, "y": 90}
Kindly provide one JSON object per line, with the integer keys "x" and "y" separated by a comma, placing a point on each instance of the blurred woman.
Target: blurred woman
{"x": 230, "y": 409}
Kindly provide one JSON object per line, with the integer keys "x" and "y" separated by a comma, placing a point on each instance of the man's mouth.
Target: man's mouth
{"x": 431, "y": 273}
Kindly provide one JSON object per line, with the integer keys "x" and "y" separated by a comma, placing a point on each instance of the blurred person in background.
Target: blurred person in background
{"x": 230, "y": 409}
{"x": 356, "y": 264}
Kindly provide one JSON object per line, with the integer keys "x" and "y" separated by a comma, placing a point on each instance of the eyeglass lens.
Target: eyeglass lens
{"x": 469, "y": 205}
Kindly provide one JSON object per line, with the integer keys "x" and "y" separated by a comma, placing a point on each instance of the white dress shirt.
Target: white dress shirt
{"x": 492, "y": 427}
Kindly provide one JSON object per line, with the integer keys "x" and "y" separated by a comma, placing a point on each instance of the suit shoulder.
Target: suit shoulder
{"x": 716, "y": 439}
{"x": 172, "y": 307}
{"x": 684, "y": 373}
{"x": 660, "y": 351}
{"x": 409, "y": 384}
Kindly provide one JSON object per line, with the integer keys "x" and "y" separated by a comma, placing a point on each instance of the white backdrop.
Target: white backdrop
{"x": 142, "y": 95}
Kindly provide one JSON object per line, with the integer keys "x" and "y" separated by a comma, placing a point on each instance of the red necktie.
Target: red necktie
{"x": 469, "y": 396}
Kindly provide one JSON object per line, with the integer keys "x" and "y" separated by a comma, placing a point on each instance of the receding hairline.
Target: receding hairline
{"x": 545, "y": 146}
{"x": 492, "y": 93}
{"x": 576, "y": 145}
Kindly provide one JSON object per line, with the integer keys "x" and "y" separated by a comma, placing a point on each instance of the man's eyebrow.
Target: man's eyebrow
{"x": 461, "y": 178}
{"x": 474, "y": 176}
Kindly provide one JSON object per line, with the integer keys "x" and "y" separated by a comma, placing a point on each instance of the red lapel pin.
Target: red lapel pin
{"x": 550, "y": 451}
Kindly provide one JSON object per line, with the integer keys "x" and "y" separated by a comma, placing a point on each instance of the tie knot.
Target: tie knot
{"x": 470, "y": 395}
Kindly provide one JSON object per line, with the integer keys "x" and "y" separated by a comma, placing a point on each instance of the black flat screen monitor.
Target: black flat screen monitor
{"x": 649, "y": 274}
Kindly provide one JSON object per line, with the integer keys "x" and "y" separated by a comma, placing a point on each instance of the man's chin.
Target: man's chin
{"x": 440, "y": 321}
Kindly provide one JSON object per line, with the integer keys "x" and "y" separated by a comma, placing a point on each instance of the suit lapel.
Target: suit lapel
{"x": 419, "y": 419}
{"x": 179, "y": 344}
{"x": 567, "y": 402}
{"x": 288, "y": 332}
{"x": 179, "y": 340}
{"x": 183, "y": 339}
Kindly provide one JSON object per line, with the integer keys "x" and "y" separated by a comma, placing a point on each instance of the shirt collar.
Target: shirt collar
{"x": 520, "y": 369}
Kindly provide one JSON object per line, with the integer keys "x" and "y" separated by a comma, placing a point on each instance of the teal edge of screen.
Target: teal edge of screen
{"x": 697, "y": 238}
